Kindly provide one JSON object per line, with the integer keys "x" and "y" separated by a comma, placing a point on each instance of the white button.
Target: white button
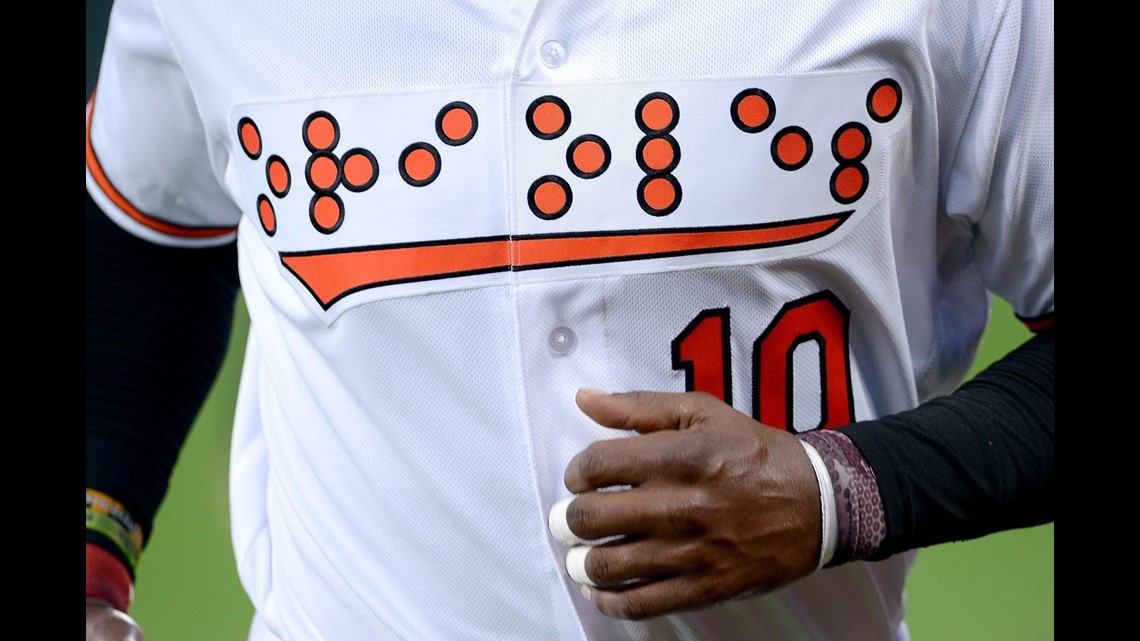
{"x": 553, "y": 53}
{"x": 561, "y": 340}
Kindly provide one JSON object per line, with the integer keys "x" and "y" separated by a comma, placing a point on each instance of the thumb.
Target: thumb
{"x": 643, "y": 411}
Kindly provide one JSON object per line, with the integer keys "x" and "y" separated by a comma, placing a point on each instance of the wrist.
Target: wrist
{"x": 108, "y": 578}
{"x": 827, "y": 525}
{"x": 859, "y": 519}
{"x": 114, "y": 543}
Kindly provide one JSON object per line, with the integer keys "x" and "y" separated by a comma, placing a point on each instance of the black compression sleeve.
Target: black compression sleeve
{"x": 972, "y": 463}
{"x": 158, "y": 321}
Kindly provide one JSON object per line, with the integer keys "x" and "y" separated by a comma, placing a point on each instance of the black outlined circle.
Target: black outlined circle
{"x": 268, "y": 226}
{"x": 532, "y": 193}
{"x": 408, "y": 151}
{"x": 458, "y": 104}
{"x": 666, "y": 139}
{"x": 837, "y": 150}
{"x": 649, "y": 208}
{"x": 645, "y": 127}
{"x": 783, "y": 135}
{"x": 314, "y": 215}
{"x": 539, "y": 102}
{"x": 753, "y": 92}
{"x": 833, "y": 184}
{"x": 335, "y": 131}
{"x": 278, "y": 161}
{"x": 345, "y": 178}
{"x": 876, "y": 113}
{"x": 330, "y": 157}
{"x": 242, "y": 124}
{"x": 573, "y": 147}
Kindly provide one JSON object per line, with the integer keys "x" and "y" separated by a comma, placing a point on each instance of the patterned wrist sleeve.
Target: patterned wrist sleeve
{"x": 860, "y": 519}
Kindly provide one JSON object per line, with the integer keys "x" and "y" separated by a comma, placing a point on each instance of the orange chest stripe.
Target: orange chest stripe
{"x": 538, "y": 252}
{"x": 332, "y": 275}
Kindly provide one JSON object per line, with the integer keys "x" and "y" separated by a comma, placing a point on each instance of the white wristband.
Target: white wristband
{"x": 828, "y": 524}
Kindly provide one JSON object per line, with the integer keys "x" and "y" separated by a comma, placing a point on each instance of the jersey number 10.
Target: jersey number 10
{"x": 703, "y": 351}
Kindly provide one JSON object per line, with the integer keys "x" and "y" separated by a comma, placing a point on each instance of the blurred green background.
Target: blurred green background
{"x": 997, "y": 588}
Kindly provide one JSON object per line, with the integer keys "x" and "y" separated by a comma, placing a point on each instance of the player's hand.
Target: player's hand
{"x": 719, "y": 506}
{"x": 105, "y": 623}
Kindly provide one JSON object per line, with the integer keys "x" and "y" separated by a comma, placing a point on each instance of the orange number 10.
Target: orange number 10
{"x": 703, "y": 351}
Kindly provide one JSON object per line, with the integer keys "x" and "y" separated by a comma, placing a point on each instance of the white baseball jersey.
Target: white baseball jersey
{"x": 452, "y": 215}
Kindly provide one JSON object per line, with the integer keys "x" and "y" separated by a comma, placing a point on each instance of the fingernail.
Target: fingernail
{"x": 586, "y": 592}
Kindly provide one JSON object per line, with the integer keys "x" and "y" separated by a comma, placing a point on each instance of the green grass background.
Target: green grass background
{"x": 996, "y": 588}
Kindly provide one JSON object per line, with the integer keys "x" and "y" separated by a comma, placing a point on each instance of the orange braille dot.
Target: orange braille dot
{"x": 456, "y": 124}
{"x": 657, "y": 154}
{"x": 323, "y": 173}
{"x": 419, "y": 164}
{"x": 791, "y": 148}
{"x": 659, "y": 194}
{"x": 884, "y": 101}
{"x": 320, "y": 133}
{"x": 657, "y": 114}
{"x": 250, "y": 138}
{"x": 849, "y": 183}
{"x": 278, "y": 174}
{"x": 548, "y": 117}
{"x": 850, "y": 144}
{"x": 266, "y": 215}
{"x": 550, "y": 198}
{"x": 753, "y": 111}
{"x": 359, "y": 170}
{"x": 326, "y": 212}
{"x": 589, "y": 157}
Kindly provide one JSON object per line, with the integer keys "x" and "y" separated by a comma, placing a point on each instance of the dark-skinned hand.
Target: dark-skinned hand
{"x": 105, "y": 623}
{"x": 702, "y": 505}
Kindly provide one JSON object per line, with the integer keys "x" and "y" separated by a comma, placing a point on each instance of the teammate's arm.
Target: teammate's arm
{"x": 158, "y": 321}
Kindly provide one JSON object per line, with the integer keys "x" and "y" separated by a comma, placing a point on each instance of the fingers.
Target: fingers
{"x": 631, "y": 462}
{"x": 637, "y": 513}
{"x": 621, "y": 563}
{"x": 642, "y": 411}
{"x": 646, "y": 600}
{"x": 644, "y": 578}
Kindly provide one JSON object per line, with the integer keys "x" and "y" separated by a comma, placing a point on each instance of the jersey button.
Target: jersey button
{"x": 553, "y": 53}
{"x": 561, "y": 340}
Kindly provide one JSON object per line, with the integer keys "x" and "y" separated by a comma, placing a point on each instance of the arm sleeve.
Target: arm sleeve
{"x": 161, "y": 280}
{"x": 972, "y": 463}
{"x": 158, "y": 321}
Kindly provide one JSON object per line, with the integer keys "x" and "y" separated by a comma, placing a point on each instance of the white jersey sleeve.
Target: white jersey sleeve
{"x": 1001, "y": 177}
{"x": 150, "y": 165}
